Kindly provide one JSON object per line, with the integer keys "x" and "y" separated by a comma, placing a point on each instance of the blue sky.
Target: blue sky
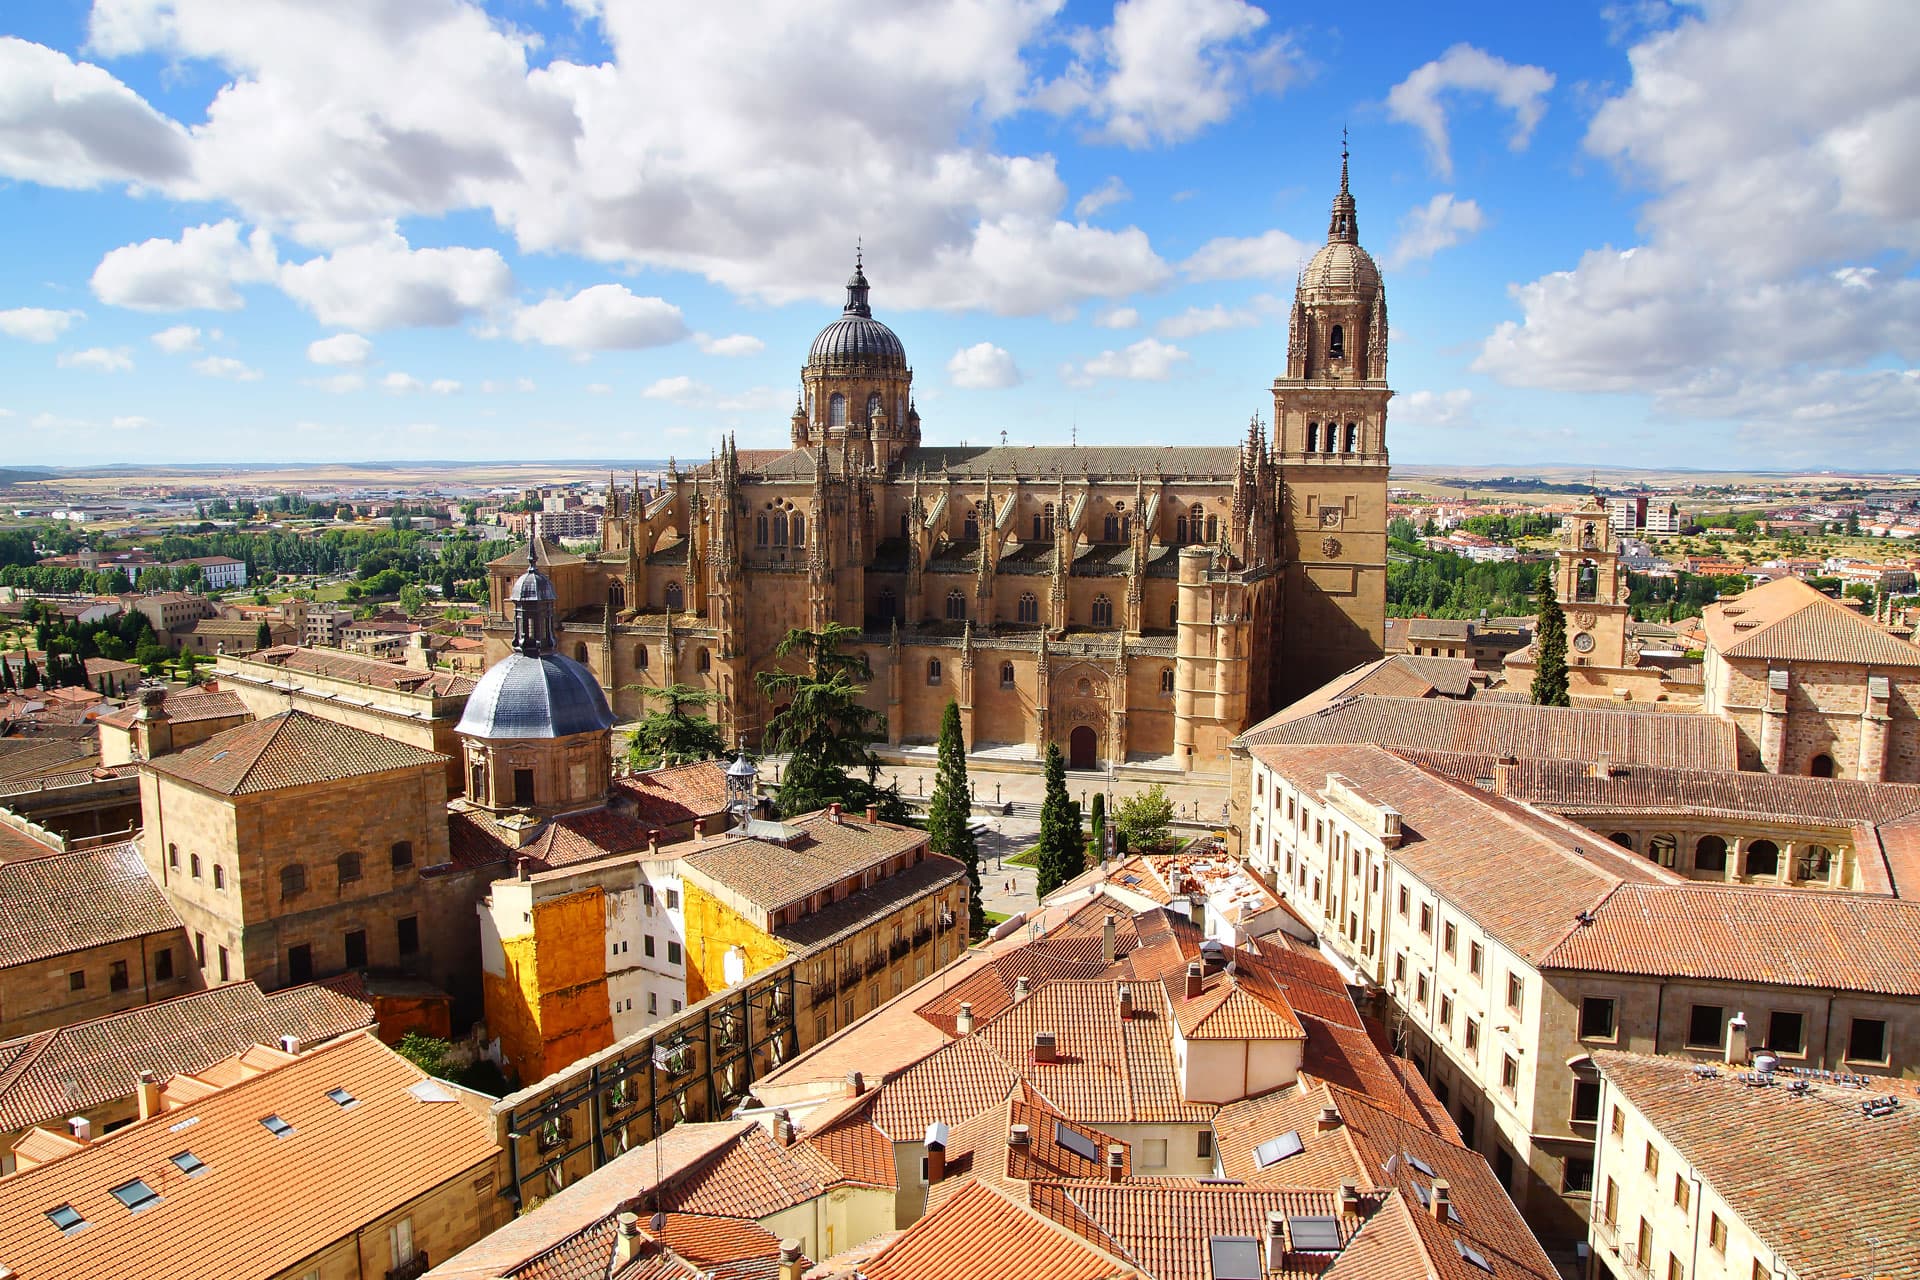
{"x": 378, "y": 229}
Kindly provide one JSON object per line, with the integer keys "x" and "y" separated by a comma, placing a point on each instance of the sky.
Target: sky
{"x": 1636, "y": 234}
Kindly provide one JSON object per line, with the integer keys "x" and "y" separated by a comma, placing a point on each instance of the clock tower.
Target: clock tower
{"x": 1592, "y": 589}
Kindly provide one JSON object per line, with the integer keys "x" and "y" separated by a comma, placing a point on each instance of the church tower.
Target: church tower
{"x": 1330, "y": 434}
{"x": 1592, "y": 589}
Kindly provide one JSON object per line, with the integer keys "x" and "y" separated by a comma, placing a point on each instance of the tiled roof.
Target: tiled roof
{"x": 771, "y": 875}
{"x": 476, "y": 838}
{"x": 884, "y": 895}
{"x": 979, "y": 1231}
{"x": 677, "y": 795}
{"x": 1165, "y": 1230}
{"x": 58, "y": 1073}
{"x": 292, "y": 749}
{"x": 1325, "y": 1159}
{"x": 857, "y": 1151}
{"x": 1787, "y": 620}
{"x": 262, "y": 1203}
{"x": 23, "y": 758}
{"x": 1820, "y": 1139}
{"x": 952, "y": 1084}
{"x": 1778, "y": 937}
{"x": 16, "y": 844}
{"x": 1500, "y": 728}
{"x": 186, "y": 708}
{"x": 72, "y": 901}
{"x": 1231, "y": 1007}
{"x": 359, "y": 669}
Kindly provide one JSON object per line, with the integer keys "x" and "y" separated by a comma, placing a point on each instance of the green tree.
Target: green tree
{"x": 950, "y": 813}
{"x": 673, "y": 734}
{"x": 263, "y": 636}
{"x": 1144, "y": 820}
{"x": 826, "y": 732}
{"x": 413, "y": 598}
{"x": 1550, "y": 648}
{"x": 1060, "y": 856}
{"x": 1097, "y": 826}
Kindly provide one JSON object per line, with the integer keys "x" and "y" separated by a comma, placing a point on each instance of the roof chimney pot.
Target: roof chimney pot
{"x": 1043, "y": 1046}
{"x": 856, "y": 1084}
{"x": 1350, "y": 1197}
{"x": 790, "y": 1259}
{"x": 1116, "y": 1163}
{"x": 1276, "y": 1240}
{"x": 873, "y": 814}
{"x": 627, "y": 1237}
{"x": 290, "y": 1044}
{"x": 1126, "y": 1002}
{"x": 1109, "y": 944}
{"x": 149, "y": 1095}
{"x": 1196, "y": 980}
{"x": 1329, "y": 1119}
{"x": 81, "y": 1128}
{"x": 1017, "y": 1136}
{"x": 963, "y": 1022}
{"x": 1020, "y": 989}
{"x": 1737, "y": 1039}
{"x": 1441, "y": 1200}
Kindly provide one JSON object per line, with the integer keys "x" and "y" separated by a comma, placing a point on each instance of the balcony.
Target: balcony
{"x": 899, "y": 950}
{"x": 412, "y": 1269}
{"x": 921, "y": 937}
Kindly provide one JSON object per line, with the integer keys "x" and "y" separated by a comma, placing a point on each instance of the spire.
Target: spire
{"x": 1343, "y": 227}
{"x": 857, "y": 288}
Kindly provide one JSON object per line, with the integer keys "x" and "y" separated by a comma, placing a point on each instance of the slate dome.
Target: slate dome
{"x": 856, "y": 336}
{"x": 523, "y": 696}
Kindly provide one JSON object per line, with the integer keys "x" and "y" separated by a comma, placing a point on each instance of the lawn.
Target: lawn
{"x": 1027, "y": 857}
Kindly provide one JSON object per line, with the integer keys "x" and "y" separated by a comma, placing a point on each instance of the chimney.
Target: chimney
{"x": 833, "y": 813}
{"x": 936, "y": 1147}
{"x": 1109, "y": 945}
{"x": 1196, "y": 981}
{"x": 523, "y": 868}
{"x": 1116, "y": 1163}
{"x": 1020, "y": 989}
{"x": 1043, "y": 1050}
{"x": 1737, "y": 1039}
{"x": 856, "y": 1084}
{"x": 290, "y": 1045}
{"x": 153, "y": 729}
{"x": 783, "y": 1127}
{"x": 1506, "y": 772}
{"x": 963, "y": 1024}
{"x": 1329, "y": 1119}
{"x": 149, "y": 1095}
{"x": 1017, "y": 1136}
{"x": 873, "y": 813}
{"x": 1441, "y": 1200}
{"x": 654, "y": 836}
{"x": 1126, "y": 1002}
{"x": 1350, "y": 1197}
{"x": 81, "y": 1128}
{"x": 1602, "y": 767}
{"x": 1197, "y": 910}
{"x": 790, "y": 1262}
{"x": 699, "y": 828}
{"x": 1276, "y": 1240}
{"x": 627, "y": 1237}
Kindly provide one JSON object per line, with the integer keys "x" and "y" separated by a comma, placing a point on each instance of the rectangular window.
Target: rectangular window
{"x": 1472, "y": 1037}
{"x": 224, "y": 976}
{"x": 1204, "y": 1147}
{"x": 300, "y": 963}
{"x": 1576, "y": 1176}
{"x": 1682, "y": 1192}
{"x": 1644, "y": 1241}
{"x": 1867, "y": 1041}
{"x": 219, "y": 876}
{"x": 135, "y": 1195}
{"x": 77, "y": 980}
{"x": 1509, "y": 1074}
{"x": 673, "y": 899}
{"x": 1611, "y": 1214}
{"x": 402, "y": 854}
{"x": 1446, "y": 1014}
{"x": 1674, "y": 1270}
{"x": 647, "y": 944}
{"x": 1596, "y": 1018}
{"x": 407, "y": 928}
{"x": 1704, "y": 1026}
{"x": 400, "y": 1242}
{"x": 200, "y": 949}
{"x": 1717, "y": 1233}
{"x": 1449, "y": 937}
{"x": 1475, "y": 955}
{"x": 1516, "y": 991}
{"x": 356, "y": 947}
{"x": 1617, "y": 1123}
{"x": 1420, "y": 988}
{"x": 1650, "y": 1162}
{"x": 1786, "y": 1032}
{"x": 1586, "y": 1101}
{"x": 673, "y": 952}
{"x": 1400, "y": 968}
{"x": 1426, "y": 918}
{"x": 117, "y": 976}
{"x": 1403, "y": 902}
{"x": 163, "y": 964}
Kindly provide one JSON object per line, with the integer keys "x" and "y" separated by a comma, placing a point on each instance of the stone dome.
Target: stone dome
{"x": 524, "y": 696}
{"x": 1341, "y": 267}
{"x": 856, "y": 336}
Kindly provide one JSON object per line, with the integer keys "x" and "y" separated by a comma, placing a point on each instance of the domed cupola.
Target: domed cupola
{"x": 1339, "y": 326}
{"x": 537, "y": 727}
{"x": 857, "y": 385}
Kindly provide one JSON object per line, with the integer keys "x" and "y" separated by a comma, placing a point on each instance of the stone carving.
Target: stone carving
{"x": 1330, "y": 548}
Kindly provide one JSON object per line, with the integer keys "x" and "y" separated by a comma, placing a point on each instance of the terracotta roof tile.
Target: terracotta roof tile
{"x": 951, "y": 1084}
{"x": 72, "y": 901}
{"x": 293, "y": 749}
{"x": 857, "y": 1151}
{"x": 772, "y": 875}
{"x": 676, "y": 796}
{"x": 262, "y": 1203}
{"x": 980, "y": 1231}
{"x": 1787, "y": 620}
{"x": 1324, "y": 1160}
{"x": 186, "y": 707}
{"x": 1821, "y": 1139}
{"x": 1233, "y": 1008}
{"x": 1165, "y": 1230}
{"x": 359, "y": 669}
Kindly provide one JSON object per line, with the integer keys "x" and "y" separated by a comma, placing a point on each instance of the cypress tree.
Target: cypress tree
{"x": 949, "y": 810}
{"x": 1057, "y": 825}
{"x": 1097, "y": 826}
{"x": 1550, "y": 649}
{"x": 263, "y": 637}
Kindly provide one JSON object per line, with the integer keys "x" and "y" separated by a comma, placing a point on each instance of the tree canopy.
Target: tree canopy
{"x": 1550, "y": 648}
{"x": 822, "y": 726}
{"x": 672, "y": 732}
{"x": 950, "y": 813}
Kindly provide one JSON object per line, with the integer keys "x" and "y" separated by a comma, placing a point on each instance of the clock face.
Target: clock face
{"x": 1583, "y": 642}
{"x": 1330, "y": 517}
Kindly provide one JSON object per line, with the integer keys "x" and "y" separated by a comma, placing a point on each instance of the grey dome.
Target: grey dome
{"x": 522, "y": 696}
{"x": 530, "y": 587}
{"x": 1341, "y": 267}
{"x": 859, "y": 338}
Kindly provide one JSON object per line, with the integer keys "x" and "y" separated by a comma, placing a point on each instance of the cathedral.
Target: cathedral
{"x": 1131, "y": 604}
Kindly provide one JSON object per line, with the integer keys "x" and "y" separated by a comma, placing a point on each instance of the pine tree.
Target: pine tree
{"x": 1550, "y": 649}
{"x": 950, "y": 810}
{"x": 1058, "y": 827}
{"x": 823, "y": 726}
{"x": 1097, "y": 826}
{"x": 674, "y": 735}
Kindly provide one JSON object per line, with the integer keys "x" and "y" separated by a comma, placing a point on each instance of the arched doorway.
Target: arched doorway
{"x": 1821, "y": 766}
{"x": 1083, "y": 748}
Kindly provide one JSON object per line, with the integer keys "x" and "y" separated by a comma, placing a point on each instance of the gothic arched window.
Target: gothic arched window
{"x": 1353, "y": 438}
{"x": 703, "y": 661}
{"x": 1313, "y": 437}
{"x": 933, "y": 671}
{"x": 779, "y": 528}
{"x": 1102, "y": 611}
{"x": 1029, "y": 608}
{"x": 889, "y": 605}
{"x": 1006, "y": 675}
{"x": 798, "y": 524}
{"x": 1112, "y": 529}
{"x": 837, "y": 410}
{"x": 760, "y": 531}
{"x": 1331, "y": 440}
{"x": 971, "y": 533}
{"x": 617, "y": 594}
{"x": 956, "y": 606}
{"x": 675, "y": 600}
{"x": 1213, "y": 528}
{"x": 1337, "y": 343}
{"x": 640, "y": 658}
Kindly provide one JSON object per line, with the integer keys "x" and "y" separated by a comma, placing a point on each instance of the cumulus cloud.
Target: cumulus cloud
{"x": 1198, "y": 320}
{"x": 98, "y": 359}
{"x": 386, "y": 284}
{"x": 496, "y": 386}
{"x": 336, "y": 383}
{"x": 197, "y": 272}
{"x": 691, "y": 393}
{"x": 1111, "y": 192}
{"x": 130, "y": 422}
{"x": 401, "y": 384}
{"x": 1434, "y": 408}
{"x": 1754, "y": 298}
{"x": 227, "y": 367}
{"x": 605, "y": 317}
{"x": 1117, "y": 318}
{"x": 1167, "y": 69}
{"x": 680, "y": 389}
{"x": 71, "y": 124}
{"x": 340, "y": 349}
{"x": 1272, "y": 255}
{"x": 734, "y": 344}
{"x": 37, "y": 324}
{"x": 1147, "y": 360}
{"x": 1519, "y": 88}
{"x": 1440, "y": 223}
{"x": 983, "y": 367}
{"x": 444, "y": 386}
{"x": 177, "y": 339}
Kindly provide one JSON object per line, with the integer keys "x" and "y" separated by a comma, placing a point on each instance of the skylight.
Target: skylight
{"x": 1314, "y": 1234}
{"x": 188, "y": 1163}
{"x": 276, "y": 1126}
{"x": 68, "y": 1219}
{"x": 341, "y": 1098}
{"x": 136, "y": 1194}
{"x": 1421, "y": 1165}
{"x": 1474, "y": 1256}
{"x": 1074, "y": 1142}
{"x": 1235, "y": 1258}
{"x": 1274, "y": 1150}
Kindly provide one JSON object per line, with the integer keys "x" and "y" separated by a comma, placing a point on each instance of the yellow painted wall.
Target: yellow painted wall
{"x": 713, "y": 928}
{"x": 551, "y": 1005}
{"x": 513, "y": 1007}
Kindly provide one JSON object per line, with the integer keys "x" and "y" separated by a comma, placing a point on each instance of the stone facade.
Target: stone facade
{"x": 1142, "y": 604}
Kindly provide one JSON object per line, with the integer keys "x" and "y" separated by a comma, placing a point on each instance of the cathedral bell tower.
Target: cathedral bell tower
{"x": 1592, "y": 589}
{"x": 1330, "y": 435}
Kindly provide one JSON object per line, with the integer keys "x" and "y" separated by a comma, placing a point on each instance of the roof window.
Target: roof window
{"x": 68, "y": 1219}
{"x": 1235, "y": 1258}
{"x": 136, "y": 1195}
{"x": 1473, "y": 1255}
{"x": 1274, "y": 1150}
{"x": 276, "y": 1126}
{"x": 341, "y": 1098}
{"x": 1315, "y": 1233}
{"x": 188, "y": 1163}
